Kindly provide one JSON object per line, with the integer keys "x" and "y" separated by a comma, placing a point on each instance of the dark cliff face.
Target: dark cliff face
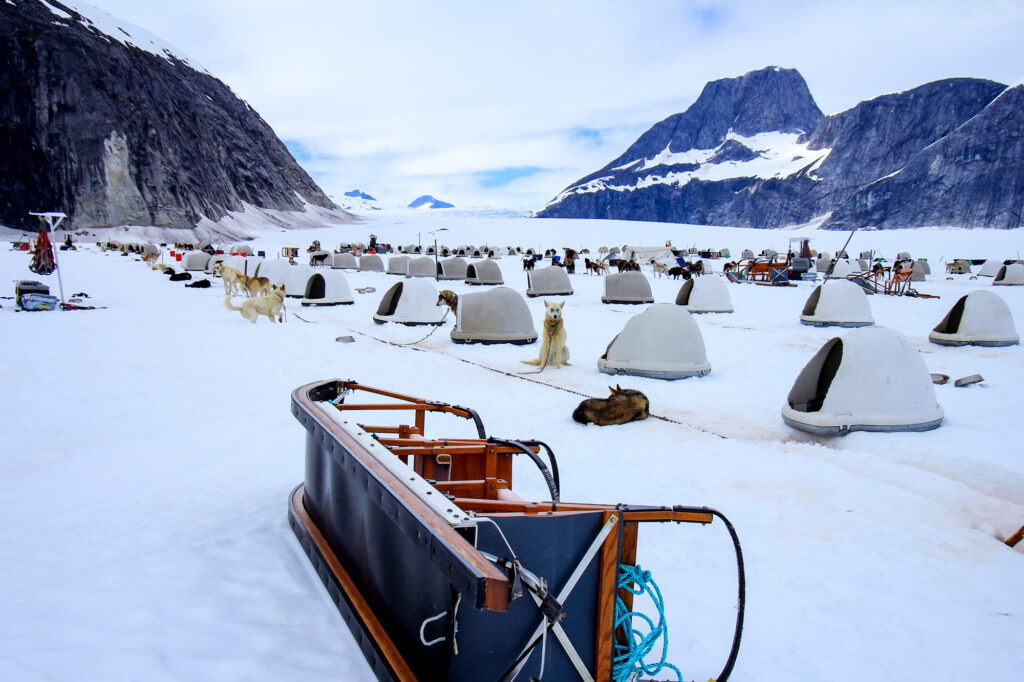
{"x": 112, "y": 134}
{"x": 838, "y": 167}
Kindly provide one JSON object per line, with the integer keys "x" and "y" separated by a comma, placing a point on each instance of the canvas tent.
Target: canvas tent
{"x": 662, "y": 342}
{"x": 398, "y": 265}
{"x": 326, "y": 287}
{"x": 484, "y": 272}
{"x": 1010, "y": 275}
{"x": 627, "y": 287}
{"x": 549, "y": 281}
{"x": 194, "y": 260}
{"x": 421, "y": 267}
{"x": 981, "y": 318}
{"x": 869, "y": 379}
{"x": 498, "y": 315}
{"x": 452, "y": 268}
{"x": 344, "y": 261}
{"x": 410, "y": 302}
{"x": 838, "y": 303}
{"x": 371, "y": 262}
{"x": 705, "y": 294}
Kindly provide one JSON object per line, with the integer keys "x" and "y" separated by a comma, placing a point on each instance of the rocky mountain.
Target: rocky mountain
{"x": 358, "y": 200}
{"x": 755, "y": 151}
{"x": 427, "y": 201}
{"x": 107, "y": 126}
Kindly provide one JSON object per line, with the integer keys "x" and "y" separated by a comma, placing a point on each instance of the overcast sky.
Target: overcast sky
{"x": 504, "y": 103}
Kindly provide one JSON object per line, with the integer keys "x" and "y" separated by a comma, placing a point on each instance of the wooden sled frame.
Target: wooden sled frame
{"x": 474, "y": 476}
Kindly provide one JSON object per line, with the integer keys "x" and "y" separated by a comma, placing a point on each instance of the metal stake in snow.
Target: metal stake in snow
{"x": 52, "y": 220}
{"x": 832, "y": 265}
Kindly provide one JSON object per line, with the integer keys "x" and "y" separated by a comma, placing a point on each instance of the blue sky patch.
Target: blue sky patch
{"x": 503, "y": 176}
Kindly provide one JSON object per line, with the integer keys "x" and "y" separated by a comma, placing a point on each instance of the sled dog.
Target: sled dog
{"x": 269, "y": 305}
{"x": 233, "y": 279}
{"x": 257, "y": 286}
{"x": 623, "y": 405}
{"x": 449, "y": 298}
{"x": 553, "y": 337}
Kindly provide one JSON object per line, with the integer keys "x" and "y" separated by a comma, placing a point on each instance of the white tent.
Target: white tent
{"x": 371, "y": 262}
{"x": 398, "y": 265}
{"x": 498, "y": 315}
{"x": 1010, "y": 275}
{"x": 549, "y": 281}
{"x": 410, "y": 302}
{"x": 662, "y": 342}
{"x": 705, "y": 294}
{"x": 869, "y": 379}
{"x": 344, "y": 261}
{"x": 627, "y": 287}
{"x": 275, "y": 270}
{"x": 484, "y": 272}
{"x": 195, "y": 260}
{"x": 452, "y": 268}
{"x": 326, "y": 287}
{"x": 837, "y": 303}
{"x": 295, "y": 279}
{"x": 981, "y": 318}
{"x": 421, "y": 267}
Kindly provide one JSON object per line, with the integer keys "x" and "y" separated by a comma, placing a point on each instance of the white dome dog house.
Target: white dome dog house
{"x": 452, "y": 268}
{"x": 398, "y": 265}
{"x": 240, "y": 249}
{"x": 211, "y": 265}
{"x": 840, "y": 270}
{"x": 549, "y": 281}
{"x": 627, "y": 287}
{"x": 371, "y": 262}
{"x": 705, "y": 294}
{"x": 295, "y": 279}
{"x": 484, "y": 272}
{"x": 275, "y": 270}
{"x": 838, "y": 303}
{"x": 498, "y": 315}
{"x": 663, "y": 342}
{"x": 869, "y": 379}
{"x": 421, "y": 267}
{"x": 194, "y": 260}
{"x": 326, "y": 287}
{"x": 981, "y": 318}
{"x": 247, "y": 265}
{"x": 344, "y": 261}
{"x": 990, "y": 268}
{"x": 410, "y": 302}
{"x": 1008, "y": 275}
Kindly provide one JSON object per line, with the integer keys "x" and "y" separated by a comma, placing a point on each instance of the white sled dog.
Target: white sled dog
{"x": 553, "y": 337}
{"x": 269, "y": 305}
{"x": 233, "y": 279}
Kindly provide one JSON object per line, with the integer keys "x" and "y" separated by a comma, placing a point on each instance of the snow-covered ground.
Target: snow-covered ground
{"x": 148, "y": 453}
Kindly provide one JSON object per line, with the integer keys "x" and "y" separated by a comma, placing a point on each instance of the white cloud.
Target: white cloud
{"x": 404, "y": 98}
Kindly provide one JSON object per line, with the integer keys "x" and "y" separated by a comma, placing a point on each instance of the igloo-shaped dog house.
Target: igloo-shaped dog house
{"x": 410, "y": 302}
{"x": 1008, "y": 275}
{"x": 211, "y": 265}
{"x": 869, "y": 379}
{"x": 326, "y": 287}
{"x": 484, "y": 272}
{"x": 662, "y": 342}
{"x": 705, "y": 294}
{"x": 275, "y": 270}
{"x": 549, "y": 281}
{"x": 371, "y": 262}
{"x": 498, "y": 315}
{"x": 627, "y": 287}
{"x": 398, "y": 265}
{"x": 840, "y": 270}
{"x": 295, "y": 279}
{"x": 452, "y": 268}
{"x": 838, "y": 303}
{"x": 421, "y": 267}
{"x": 990, "y": 268}
{"x": 344, "y": 261}
{"x": 247, "y": 265}
{"x": 194, "y": 260}
{"x": 981, "y": 318}
{"x": 240, "y": 250}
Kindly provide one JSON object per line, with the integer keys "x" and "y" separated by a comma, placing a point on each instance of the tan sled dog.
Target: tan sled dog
{"x": 269, "y": 305}
{"x": 258, "y": 286}
{"x": 234, "y": 281}
{"x": 553, "y": 337}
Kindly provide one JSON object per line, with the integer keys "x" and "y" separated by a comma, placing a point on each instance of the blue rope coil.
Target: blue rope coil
{"x": 628, "y": 660}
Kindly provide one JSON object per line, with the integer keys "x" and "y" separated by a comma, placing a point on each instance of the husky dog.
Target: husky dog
{"x": 257, "y": 286}
{"x": 449, "y": 298}
{"x": 179, "y": 276}
{"x": 199, "y": 284}
{"x": 623, "y": 405}
{"x": 269, "y": 305}
{"x": 233, "y": 279}
{"x": 553, "y": 337}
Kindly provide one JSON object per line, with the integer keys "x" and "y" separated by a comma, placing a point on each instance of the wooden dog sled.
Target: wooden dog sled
{"x": 442, "y": 572}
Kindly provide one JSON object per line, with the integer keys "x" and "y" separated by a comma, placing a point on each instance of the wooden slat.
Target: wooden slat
{"x": 608, "y": 562}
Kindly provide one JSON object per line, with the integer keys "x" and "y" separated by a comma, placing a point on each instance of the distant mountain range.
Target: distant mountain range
{"x": 108, "y": 124}
{"x": 358, "y": 200}
{"x": 755, "y": 151}
{"x": 427, "y": 201}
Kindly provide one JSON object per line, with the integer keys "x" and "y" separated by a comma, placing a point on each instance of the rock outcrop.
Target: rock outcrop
{"x": 114, "y": 134}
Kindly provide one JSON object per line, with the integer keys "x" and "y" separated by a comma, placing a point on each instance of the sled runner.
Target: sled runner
{"x": 442, "y": 572}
